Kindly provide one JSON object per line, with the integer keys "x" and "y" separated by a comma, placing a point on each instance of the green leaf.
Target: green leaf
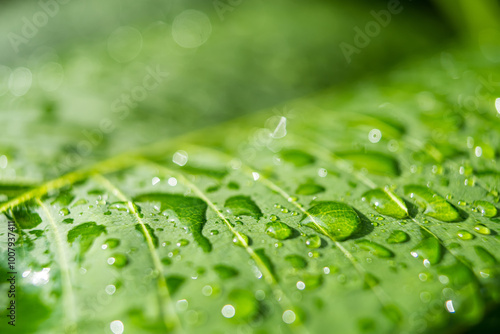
{"x": 366, "y": 208}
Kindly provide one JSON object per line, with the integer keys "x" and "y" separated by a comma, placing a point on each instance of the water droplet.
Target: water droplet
{"x": 397, "y": 237}
{"x": 81, "y": 201}
{"x": 313, "y": 241}
{"x": 182, "y": 243}
{"x": 297, "y": 157}
{"x": 190, "y": 211}
{"x": 435, "y": 206}
{"x": 119, "y": 206}
{"x": 333, "y": 219}
{"x": 25, "y": 216}
{"x": 118, "y": 260}
{"x": 481, "y": 229}
{"x": 112, "y": 243}
{"x": 233, "y": 185}
{"x": 243, "y": 206}
{"x": 244, "y": 304}
{"x": 465, "y": 235}
{"x": 485, "y": 208}
{"x": 174, "y": 283}
{"x": 312, "y": 281}
{"x": 374, "y": 248}
{"x": 485, "y": 256}
{"x": 64, "y": 212}
{"x": 241, "y": 240}
{"x": 297, "y": 261}
{"x": 225, "y": 272}
{"x": 85, "y": 234}
{"x": 429, "y": 250}
{"x": 386, "y": 202}
{"x": 278, "y": 230}
{"x": 373, "y": 162}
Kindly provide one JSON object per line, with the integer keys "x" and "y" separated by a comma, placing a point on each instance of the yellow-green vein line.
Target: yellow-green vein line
{"x": 69, "y": 303}
{"x": 266, "y": 273}
{"x": 168, "y": 311}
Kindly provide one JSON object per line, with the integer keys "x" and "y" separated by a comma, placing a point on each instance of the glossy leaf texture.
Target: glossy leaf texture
{"x": 376, "y": 212}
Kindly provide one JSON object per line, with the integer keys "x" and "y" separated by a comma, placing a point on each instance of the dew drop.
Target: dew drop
{"x": 429, "y": 250}
{"x": 465, "y": 235}
{"x": 374, "y": 248}
{"x": 313, "y": 241}
{"x": 398, "y": 237}
{"x": 386, "y": 202}
{"x": 481, "y": 229}
{"x": 241, "y": 240}
{"x": 485, "y": 208}
{"x": 278, "y": 230}
{"x": 435, "y": 206}
{"x": 335, "y": 220}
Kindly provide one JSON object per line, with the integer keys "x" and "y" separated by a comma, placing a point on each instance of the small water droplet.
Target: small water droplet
{"x": 313, "y": 241}
{"x": 465, "y": 235}
{"x": 64, "y": 212}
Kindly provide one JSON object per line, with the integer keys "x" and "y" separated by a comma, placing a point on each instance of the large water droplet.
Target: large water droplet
{"x": 225, "y": 272}
{"x": 297, "y": 157}
{"x": 278, "y": 230}
{"x": 485, "y": 256}
{"x": 335, "y": 220}
{"x": 429, "y": 250}
{"x": 243, "y": 206}
{"x": 485, "y": 208}
{"x": 244, "y": 303}
{"x": 313, "y": 241}
{"x": 85, "y": 234}
{"x": 397, "y": 237}
{"x": 241, "y": 240}
{"x": 190, "y": 211}
{"x": 465, "y": 235}
{"x": 386, "y": 202}
{"x": 309, "y": 189}
{"x": 435, "y": 206}
{"x": 482, "y": 229}
{"x": 118, "y": 260}
{"x": 297, "y": 261}
{"x": 25, "y": 216}
{"x": 374, "y": 248}
{"x": 373, "y": 162}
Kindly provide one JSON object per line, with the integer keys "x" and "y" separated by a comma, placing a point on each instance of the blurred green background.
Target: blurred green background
{"x": 73, "y": 72}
